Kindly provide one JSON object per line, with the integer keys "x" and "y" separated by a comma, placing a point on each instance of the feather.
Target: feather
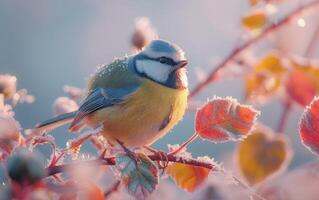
{"x": 55, "y": 122}
{"x": 98, "y": 99}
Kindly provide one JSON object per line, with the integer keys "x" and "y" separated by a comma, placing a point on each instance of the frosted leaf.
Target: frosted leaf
{"x": 224, "y": 119}
{"x": 139, "y": 174}
{"x": 189, "y": 177}
{"x": 309, "y": 128}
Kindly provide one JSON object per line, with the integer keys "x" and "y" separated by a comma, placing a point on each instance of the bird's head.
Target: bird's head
{"x": 164, "y": 63}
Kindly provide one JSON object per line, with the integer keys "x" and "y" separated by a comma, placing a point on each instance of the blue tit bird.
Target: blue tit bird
{"x": 136, "y": 99}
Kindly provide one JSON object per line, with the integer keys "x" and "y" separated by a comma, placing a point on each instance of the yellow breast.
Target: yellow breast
{"x": 148, "y": 114}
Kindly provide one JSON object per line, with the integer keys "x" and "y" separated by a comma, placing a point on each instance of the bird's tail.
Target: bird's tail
{"x": 56, "y": 122}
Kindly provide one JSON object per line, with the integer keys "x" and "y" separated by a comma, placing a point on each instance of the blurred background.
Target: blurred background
{"x": 50, "y": 44}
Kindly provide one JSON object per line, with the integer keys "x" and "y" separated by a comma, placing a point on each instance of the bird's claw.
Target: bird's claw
{"x": 163, "y": 162}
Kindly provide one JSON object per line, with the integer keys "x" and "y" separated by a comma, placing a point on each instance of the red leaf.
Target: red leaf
{"x": 300, "y": 88}
{"x": 309, "y": 126}
{"x": 223, "y": 119}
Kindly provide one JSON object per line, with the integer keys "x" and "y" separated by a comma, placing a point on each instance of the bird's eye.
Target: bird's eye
{"x": 162, "y": 60}
{"x": 166, "y": 60}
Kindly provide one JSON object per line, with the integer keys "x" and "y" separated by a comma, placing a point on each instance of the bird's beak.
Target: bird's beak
{"x": 181, "y": 64}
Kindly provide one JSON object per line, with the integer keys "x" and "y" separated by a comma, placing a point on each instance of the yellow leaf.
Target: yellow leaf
{"x": 262, "y": 154}
{"x": 187, "y": 177}
{"x": 271, "y": 63}
{"x": 261, "y": 85}
{"x": 255, "y": 20}
{"x": 266, "y": 78}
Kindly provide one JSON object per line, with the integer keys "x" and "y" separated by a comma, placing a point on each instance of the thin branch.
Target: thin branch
{"x": 111, "y": 161}
{"x": 184, "y": 145}
{"x": 270, "y": 29}
{"x": 112, "y": 189}
{"x": 155, "y": 157}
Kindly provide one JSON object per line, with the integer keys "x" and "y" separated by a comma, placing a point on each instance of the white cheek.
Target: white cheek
{"x": 155, "y": 70}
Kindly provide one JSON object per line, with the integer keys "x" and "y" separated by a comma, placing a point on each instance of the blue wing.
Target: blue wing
{"x": 100, "y": 98}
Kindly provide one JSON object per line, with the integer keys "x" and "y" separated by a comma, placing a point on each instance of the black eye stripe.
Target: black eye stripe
{"x": 166, "y": 60}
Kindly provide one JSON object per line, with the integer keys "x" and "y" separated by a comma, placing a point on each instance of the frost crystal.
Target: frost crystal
{"x": 209, "y": 160}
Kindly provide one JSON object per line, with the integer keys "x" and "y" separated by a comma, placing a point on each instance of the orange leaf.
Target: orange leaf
{"x": 255, "y": 20}
{"x": 223, "y": 119}
{"x": 309, "y": 126}
{"x": 187, "y": 177}
{"x": 262, "y": 154}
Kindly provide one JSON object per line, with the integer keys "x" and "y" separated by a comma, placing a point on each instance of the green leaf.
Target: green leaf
{"x": 139, "y": 174}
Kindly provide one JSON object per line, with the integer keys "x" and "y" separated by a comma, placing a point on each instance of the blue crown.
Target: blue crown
{"x": 164, "y": 46}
